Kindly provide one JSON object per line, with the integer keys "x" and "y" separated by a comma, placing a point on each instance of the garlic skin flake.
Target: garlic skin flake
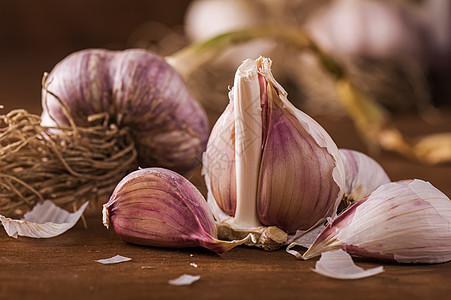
{"x": 300, "y": 173}
{"x": 158, "y": 207}
{"x": 406, "y": 221}
{"x": 45, "y": 220}
{"x": 339, "y": 265}
{"x": 185, "y": 279}
{"x": 113, "y": 260}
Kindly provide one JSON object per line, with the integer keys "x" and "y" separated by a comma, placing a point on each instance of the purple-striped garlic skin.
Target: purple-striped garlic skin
{"x": 296, "y": 185}
{"x": 158, "y": 207}
{"x": 407, "y": 221}
{"x": 219, "y": 162}
{"x": 138, "y": 90}
{"x": 363, "y": 174}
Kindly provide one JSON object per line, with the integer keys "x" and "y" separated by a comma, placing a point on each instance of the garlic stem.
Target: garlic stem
{"x": 248, "y": 144}
{"x": 195, "y": 55}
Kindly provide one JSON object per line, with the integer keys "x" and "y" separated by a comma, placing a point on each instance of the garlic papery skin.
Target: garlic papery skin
{"x": 300, "y": 172}
{"x": 406, "y": 221}
{"x": 139, "y": 91}
{"x": 158, "y": 207}
{"x": 363, "y": 175}
{"x": 45, "y": 220}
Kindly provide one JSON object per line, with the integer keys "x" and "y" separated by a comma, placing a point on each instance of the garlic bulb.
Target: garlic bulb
{"x": 268, "y": 163}
{"x": 363, "y": 174}
{"x": 205, "y": 19}
{"x": 158, "y": 207}
{"x": 368, "y": 28}
{"x": 406, "y": 221}
{"x": 139, "y": 91}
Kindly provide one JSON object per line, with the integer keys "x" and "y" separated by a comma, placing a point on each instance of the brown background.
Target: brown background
{"x": 34, "y": 36}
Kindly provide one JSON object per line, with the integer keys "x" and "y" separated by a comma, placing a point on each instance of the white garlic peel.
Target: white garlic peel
{"x": 263, "y": 143}
{"x": 339, "y": 265}
{"x": 45, "y": 220}
{"x": 113, "y": 260}
{"x": 185, "y": 279}
{"x": 406, "y": 221}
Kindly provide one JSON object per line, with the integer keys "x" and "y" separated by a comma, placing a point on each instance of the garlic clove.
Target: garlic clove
{"x": 158, "y": 207}
{"x": 363, "y": 175}
{"x": 296, "y": 188}
{"x": 301, "y": 171}
{"x": 218, "y": 163}
{"x": 406, "y": 221}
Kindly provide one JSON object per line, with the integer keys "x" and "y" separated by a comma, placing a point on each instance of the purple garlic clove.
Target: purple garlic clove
{"x": 158, "y": 207}
{"x": 139, "y": 91}
{"x": 406, "y": 221}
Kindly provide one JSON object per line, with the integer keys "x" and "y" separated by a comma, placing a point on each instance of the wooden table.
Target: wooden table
{"x": 64, "y": 267}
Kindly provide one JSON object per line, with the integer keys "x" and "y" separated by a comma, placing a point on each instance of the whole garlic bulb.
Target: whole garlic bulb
{"x": 268, "y": 163}
{"x": 407, "y": 221}
{"x": 368, "y": 28}
{"x": 158, "y": 207}
{"x": 138, "y": 90}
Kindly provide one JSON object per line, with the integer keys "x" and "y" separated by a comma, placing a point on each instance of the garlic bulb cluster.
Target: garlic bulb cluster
{"x": 158, "y": 207}
{"x": 407, "y": 221}
{"x": 139, "y": 91}
{"x": 267, "y": 163}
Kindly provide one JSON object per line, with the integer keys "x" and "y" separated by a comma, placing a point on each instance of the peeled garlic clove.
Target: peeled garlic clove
{"x": 158, "y": 207}
{"x": 299, "y": 172}
{"x": 363, "y": 174}
{"x": 407, "y": 221}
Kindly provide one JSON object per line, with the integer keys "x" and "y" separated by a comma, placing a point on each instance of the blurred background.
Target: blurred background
{"x": 398, "y": 51}
{"x": 35, "y": 35}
